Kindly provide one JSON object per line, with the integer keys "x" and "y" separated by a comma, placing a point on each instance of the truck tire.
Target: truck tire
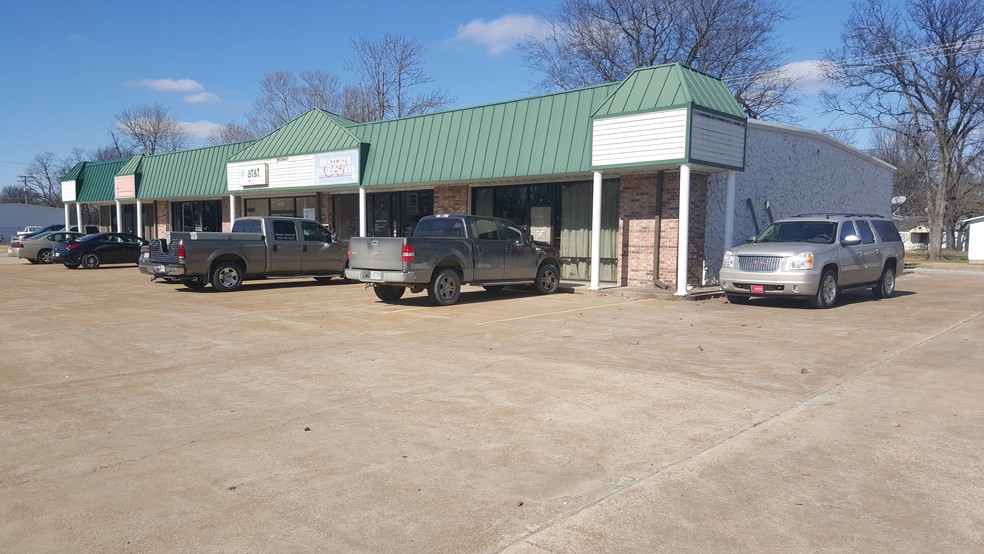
{"x": 547, "y": 279}
{"x": 445, "y": 289}
{"x": 826, "y": 295}
{"x": 886, "y": 283}
{"x": 389, "y": 293}
{"x": 227, "y": 276}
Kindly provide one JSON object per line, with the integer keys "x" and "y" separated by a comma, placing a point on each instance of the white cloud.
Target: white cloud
{"x": 201, "y": 98}
{"x": 809, "y": 75}
{"x": 169, "y": 85}
{"x": 501, "y": 34}
{"x": 200, "y": 129}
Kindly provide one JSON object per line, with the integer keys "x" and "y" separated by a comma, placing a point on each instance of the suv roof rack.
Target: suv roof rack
{"x": 828, "y": 214}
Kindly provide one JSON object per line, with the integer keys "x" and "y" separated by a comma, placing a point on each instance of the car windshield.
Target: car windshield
{"x": 822, "y": 232}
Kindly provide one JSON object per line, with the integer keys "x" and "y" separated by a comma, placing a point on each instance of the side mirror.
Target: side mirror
{"x": 851, "y": 240}
{"x": 529, "y": 240}
{"x": 750, "y": 238}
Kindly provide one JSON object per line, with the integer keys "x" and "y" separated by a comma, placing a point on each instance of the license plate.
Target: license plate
{"x": 10, "y": 250}
{"x": 376, "y": 275}
{"x": 56, "y": 255}
{"x": 758, "y": 289}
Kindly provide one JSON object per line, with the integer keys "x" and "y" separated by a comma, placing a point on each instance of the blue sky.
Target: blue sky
{"x": 67, "y": 67}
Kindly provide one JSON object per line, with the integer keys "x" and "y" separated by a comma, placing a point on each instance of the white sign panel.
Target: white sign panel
{"x": 254, "y": 175}
{"x": 337, "y": 168}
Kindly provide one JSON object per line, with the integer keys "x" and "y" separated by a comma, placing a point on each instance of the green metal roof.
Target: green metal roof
{"x": 74, "y": 173}
{"x": 97, "y": 181}
{"x": 186, "y": 174}
{"x": 661, "y": 87}
{"x": 534, "y": 136}
{"x": 314, "y": 131}
{"x": 131, "y": 167}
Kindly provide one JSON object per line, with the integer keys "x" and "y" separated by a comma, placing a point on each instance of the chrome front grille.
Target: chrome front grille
{"x": 759, "y": 263}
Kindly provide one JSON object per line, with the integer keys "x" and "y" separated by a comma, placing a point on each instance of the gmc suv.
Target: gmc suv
{"x": 815, "y": 256}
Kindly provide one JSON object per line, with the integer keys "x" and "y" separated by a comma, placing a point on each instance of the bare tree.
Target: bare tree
{"x": 588, "y": 42}
{"x": 390, "y": 71}
{"x": 149, "y": 129}
{"x": 285, "y": 96}
{"x": 41, "y": 183}
{"x": 230, "y": 133}
{"x": 919, "y": 71}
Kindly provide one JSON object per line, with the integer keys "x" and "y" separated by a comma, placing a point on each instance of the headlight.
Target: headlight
{"x": 801, "y": 260}
{"x": 729, "y": 259}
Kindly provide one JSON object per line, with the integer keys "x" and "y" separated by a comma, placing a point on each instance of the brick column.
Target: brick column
{"x": 637, "y": 228}
{"x": 451, "y": 199}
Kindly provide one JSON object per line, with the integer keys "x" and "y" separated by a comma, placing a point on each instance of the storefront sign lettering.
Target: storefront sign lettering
{"x": 337, "y": 168}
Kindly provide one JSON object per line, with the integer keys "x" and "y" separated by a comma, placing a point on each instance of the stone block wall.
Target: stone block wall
{"x": 451, "y": 200}
{"x": 796, "y": 171}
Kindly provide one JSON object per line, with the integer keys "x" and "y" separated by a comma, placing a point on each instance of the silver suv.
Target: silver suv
{"x": 815, "y": 256}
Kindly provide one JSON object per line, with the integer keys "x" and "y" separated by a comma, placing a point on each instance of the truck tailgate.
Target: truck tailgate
{"x": 376, "y": 253}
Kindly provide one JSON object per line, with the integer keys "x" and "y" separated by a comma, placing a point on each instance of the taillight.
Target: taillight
{"x": 407, "y": 253}
{"x": 181, "y": 251}
{"x": 17, "y": 244}
{"x": 72, "y": 246}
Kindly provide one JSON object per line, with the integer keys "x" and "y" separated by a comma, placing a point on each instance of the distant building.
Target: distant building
{"x": 14, "y": 217}
{"x": 975, "y": 239}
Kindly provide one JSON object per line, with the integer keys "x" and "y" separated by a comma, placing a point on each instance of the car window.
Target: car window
{"x": 867, "y": 237}
{"x": 247, "y": 226}
{"x": 799, "y": 231}
{"x": 284, "y": 230}
{"x": 887, "y": 231}
{"x": 486, "y": 229}
{"x": 511, "y": 233}
{"x": 847, "y": 229}
{"x": 314, "y": 232}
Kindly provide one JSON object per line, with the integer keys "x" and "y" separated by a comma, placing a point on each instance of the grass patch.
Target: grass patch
{"x": 951, "y": 260}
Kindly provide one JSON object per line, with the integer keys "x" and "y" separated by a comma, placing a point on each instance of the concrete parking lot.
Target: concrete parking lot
{"x": 295, "y": 416}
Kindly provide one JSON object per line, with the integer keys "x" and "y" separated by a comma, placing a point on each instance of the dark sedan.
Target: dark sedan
{"x": 92, "y": 251}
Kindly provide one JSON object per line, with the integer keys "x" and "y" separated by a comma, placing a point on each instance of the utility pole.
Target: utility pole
{"x": 24, "y": 177}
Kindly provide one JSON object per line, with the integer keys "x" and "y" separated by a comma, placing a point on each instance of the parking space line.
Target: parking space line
{"x": 580, "y": 309}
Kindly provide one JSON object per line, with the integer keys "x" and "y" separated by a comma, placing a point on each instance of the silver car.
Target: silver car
{"x": 814, "y": 257}
{"x": 37, "y": 249}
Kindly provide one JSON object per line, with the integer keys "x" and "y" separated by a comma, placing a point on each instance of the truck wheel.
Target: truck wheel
{"x": 886, "y": 284}
{"x": 196, "y": 283}
{"x": 445, "y": 288}
{"x": 547, "y": 279}
{"x": 826, "y": 295}
{"x": 389, "y": 293}
{"x": 227, "y": 276}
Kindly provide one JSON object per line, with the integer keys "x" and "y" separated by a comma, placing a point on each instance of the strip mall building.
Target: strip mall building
{"x": 639, "y": 183}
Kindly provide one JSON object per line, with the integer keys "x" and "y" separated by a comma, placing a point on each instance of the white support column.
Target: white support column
{"x": 362, "y": 211}
{"x": 729, "y": 213}
{"x": 232, "y": 210}
{"x": 78, "y": 215}
{"x": 683, "y": 233}
{"x": 68, "y": 219}
{"x": 119, "y": 217}
{"x": 596, "y": 233}
{"x": 140, "y": 231}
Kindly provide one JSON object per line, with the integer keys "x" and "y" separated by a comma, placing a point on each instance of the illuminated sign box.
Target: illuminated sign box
{"x": 256, "y": 175}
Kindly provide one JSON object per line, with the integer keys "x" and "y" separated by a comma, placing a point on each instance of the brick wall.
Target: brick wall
{"x": 163, "y": 210}
{"x": 325, "y": 209}
{"x": 226, "y": 215}
{"x": 451, "y": 200}
{"x": 639, "y": 205}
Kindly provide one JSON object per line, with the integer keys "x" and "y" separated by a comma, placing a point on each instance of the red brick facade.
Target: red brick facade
{"x": 326, "y": 209}
{"x": 640, "y": 203}
{"x": 451, "y": 200}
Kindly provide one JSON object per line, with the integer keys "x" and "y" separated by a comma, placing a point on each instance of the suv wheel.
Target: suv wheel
{"x": 886, "y": 284}
{"x": 826, "y": 295}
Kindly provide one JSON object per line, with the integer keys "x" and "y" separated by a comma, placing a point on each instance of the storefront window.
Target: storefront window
{"x": 204, "y": 215}
{"x": 390, "y": 214}
{"x": 301, "y": 206}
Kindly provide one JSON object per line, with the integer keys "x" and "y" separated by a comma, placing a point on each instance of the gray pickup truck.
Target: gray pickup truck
{"x": 257, "y": 247}
{"x": 447, "y": 251}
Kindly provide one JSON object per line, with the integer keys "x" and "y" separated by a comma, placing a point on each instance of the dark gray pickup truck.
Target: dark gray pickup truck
{"x": 448, "y": 251}
{"x": 257, "y": 247}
